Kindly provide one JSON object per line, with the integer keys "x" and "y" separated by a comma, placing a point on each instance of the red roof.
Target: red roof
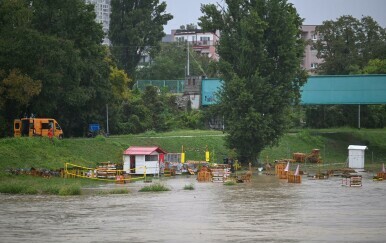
{"x": 136, "y": 150}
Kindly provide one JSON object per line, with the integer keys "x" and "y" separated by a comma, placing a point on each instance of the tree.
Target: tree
{"x": 19, "y": 88}
{"x": 58, "y": 44}
{"x": 15, "y": 81}
{"x": 260, "y": 53}
{"x": 191, "y": 26}
{"x": 347, "y": 44}
{"x": 136, "y": 28}
{"x": 375, "y": 66}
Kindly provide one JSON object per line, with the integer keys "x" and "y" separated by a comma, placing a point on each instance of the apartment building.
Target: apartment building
{"x": 205, "y": 43}
{"x": 102, "y": 10}
{"x": 310, "y": 60}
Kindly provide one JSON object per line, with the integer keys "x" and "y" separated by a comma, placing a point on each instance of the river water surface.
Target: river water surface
{"x": 265, "y": 210}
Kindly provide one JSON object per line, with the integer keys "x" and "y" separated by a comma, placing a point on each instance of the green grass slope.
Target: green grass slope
{"x": 41, "y": 153}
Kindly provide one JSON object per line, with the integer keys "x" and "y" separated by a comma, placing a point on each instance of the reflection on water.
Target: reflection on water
{"x": 267, "y": 210}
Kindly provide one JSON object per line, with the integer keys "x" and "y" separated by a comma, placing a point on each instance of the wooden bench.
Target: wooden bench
{"x": 352, "y": 181}
{"x": 381, "y": 175}
{"x": 169, "y": 172}
{"x": 218, "y": 175}
{"x": 204, "y": 176}
{"x": 294, "y": 179}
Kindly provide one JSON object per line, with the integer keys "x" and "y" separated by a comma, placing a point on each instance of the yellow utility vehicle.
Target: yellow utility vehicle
{"x": 30, "y": 127}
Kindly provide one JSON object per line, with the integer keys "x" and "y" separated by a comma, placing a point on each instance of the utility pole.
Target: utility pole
{"x": 107, "y": 120}
{"x": 359, "y": 116}
{"x": 188, "y": 64}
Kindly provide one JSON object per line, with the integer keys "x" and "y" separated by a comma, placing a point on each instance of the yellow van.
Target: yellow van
{"x": 29, "y": 127}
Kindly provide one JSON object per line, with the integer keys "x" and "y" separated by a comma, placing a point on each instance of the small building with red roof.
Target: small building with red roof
{"x": 138, "y": 159}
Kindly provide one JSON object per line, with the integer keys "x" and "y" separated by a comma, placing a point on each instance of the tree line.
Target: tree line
{"x": 52, "y": 64}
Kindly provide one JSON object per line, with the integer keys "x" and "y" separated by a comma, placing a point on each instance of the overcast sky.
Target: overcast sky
{"x": 313, "y": 11}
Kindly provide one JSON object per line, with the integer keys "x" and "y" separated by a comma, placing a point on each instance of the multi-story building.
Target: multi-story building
{"x": 205, "y": 43}
{"x": 310, "y": 60}
{"x": 102, "y": 11}
{"x": 202, "y": 42}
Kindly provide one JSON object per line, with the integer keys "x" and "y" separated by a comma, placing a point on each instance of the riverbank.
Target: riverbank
{"x": 25, "y": 153}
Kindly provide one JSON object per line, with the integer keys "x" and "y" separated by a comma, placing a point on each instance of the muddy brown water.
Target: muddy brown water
{"x": 265, "y": 210}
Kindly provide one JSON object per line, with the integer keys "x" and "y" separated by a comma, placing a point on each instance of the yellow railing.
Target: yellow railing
{"x": 73, "y": 170}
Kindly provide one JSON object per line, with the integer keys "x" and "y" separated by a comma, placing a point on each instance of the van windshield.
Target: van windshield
{"x": 57, "y": 127}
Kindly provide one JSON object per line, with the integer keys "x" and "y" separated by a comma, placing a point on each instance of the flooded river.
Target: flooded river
{"x": 265, "y": 210}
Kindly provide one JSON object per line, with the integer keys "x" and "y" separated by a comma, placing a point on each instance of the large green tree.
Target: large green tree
{"x": 136, "y": 28}
{"x": 348, "y": 44}
{"x": 260, "y": 54}
{"x": 55, "y": 44}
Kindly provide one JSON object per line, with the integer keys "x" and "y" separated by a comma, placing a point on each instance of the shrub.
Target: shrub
{"x": 68, "y": 190}
{"x": 11, "y": 188}
{"x": 119, "y": 191}
{"x": 230, "y": 183}
{"x": 155, "y": 188}
{"x": 189, "y": 187}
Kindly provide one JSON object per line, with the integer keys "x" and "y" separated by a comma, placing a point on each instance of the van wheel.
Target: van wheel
{"x": 60, "y": 136}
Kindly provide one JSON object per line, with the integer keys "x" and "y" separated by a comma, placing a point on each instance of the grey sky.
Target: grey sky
{"x": 313, "y": 11}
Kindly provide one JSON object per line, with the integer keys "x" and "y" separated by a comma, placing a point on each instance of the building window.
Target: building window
{"x": 189, "y": 83}
{"x": 204, "y": 40}
{"x": 194, "y": 82}
{"x": 314, "y": 65}
{"x": 314, "y": 36}
{"x": 151, "y": 157}
{"x": 180, "y": 39}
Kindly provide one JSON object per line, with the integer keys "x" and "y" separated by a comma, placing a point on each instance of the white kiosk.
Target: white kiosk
{"x": 356, "y": 157}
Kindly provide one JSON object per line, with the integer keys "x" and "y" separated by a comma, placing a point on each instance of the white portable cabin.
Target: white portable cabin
{"x": 136, "y": 158}
{"x": 356, "y": 156}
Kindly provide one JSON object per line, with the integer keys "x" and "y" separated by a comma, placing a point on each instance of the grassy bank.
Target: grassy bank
{"x": 40, "y": 153}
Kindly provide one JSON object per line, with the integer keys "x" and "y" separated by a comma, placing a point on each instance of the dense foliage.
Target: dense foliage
{"x": 348, "y": 44}
{"x": 260, "y": 52}
{"x": 53, "y": 63}
{"x": 156, "y": 110}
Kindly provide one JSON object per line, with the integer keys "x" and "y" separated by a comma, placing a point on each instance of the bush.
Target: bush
{"x": 189, "y": 187}
{"x": 119, "y": 191}
{"x": 68, "y": 190}
{"x": 155, "y": 188}
{"x": 230, "y": 183}
{"x": 11, "y": 188}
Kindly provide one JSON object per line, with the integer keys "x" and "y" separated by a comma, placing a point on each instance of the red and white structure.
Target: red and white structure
{"x": 138, "y": 160}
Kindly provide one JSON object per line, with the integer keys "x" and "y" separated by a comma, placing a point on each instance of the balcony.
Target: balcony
{"x": 204, "y": 43}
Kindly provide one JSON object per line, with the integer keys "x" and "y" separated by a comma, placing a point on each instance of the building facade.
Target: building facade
{"x": 205, "y": 43}
{"x": 102, "y": 11}
{"x": 310, "y": 60}
{"x": 202, "y": 42}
